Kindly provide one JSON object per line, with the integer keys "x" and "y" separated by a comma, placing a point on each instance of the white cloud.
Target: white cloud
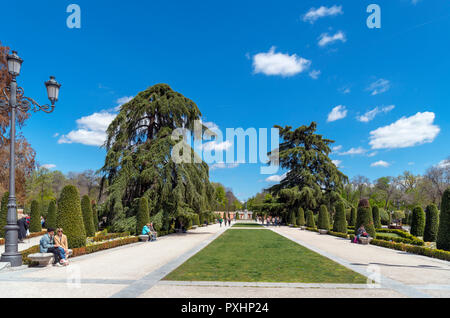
{"x": 372, "y": 154}
{"x": 406, "y": 132}
{"x": 444, "y": 164}
{"x": 92, "y": 130}
{"x": 217, "y": 146}
{"x": 314, "y": 14}
{"x": 314, "y": 74}
{"x": 380, "y": 86}
{"x": 326, "y": 39}
{"x": 380, "y": 163}
{"x": 370, "y": 115}
{"x": 222, "y": 165}
{"x": 48, "y": 166}
{"x": 276, "y": 178}
{"x": 272, "y": 63}
{"x": 337, "y": 163}
{"x": 339, "y": 112}
{"x": 337, "y": 148}
{"x": 353, "y": 151}
{"x": 121, "y": 101}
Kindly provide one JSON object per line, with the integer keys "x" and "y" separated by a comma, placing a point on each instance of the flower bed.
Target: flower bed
{"x": 106, "y": 237}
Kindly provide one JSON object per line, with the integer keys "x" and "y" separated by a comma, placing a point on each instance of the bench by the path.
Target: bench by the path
{"x": 44, "y": 259}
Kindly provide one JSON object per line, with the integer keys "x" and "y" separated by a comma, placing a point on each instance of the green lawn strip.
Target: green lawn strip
{"x": 261, "y": 256}
{"x": 247, "y": 225}
{"x": 388, "y": 235}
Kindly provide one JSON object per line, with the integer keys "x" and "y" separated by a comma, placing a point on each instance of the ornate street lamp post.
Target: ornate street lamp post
{"x": 13, "y": 99}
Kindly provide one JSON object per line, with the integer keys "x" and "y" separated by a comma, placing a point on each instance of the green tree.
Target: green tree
{"x": 88, "y": 216}
{"x": 418, "y": 222}
{"x": 443, "y": 239}
{"x": 364, "y": 217}
{"x": 35, "y": 217}
{"x": 305, "y": 155}
{"x": 301, "y": 217}
{"x": 431, "y": 223}
{"x": 70, "y": 217}
{"x": 310, "y": 219}
{"x": 376, "y": 217}
{"x": 4, "y": 213}
{"x": 292, "y": 218}
{"x": 139, "y": 162}
{"x": 143, "y": 215}
{"x": 340, "y": 222}
{"x": 324, "y": 218}
{"x": 353, "y": 216}
{"x": 51, "y": 215}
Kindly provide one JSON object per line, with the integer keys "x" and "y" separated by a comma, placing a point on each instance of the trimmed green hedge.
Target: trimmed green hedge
{"x": 425, "y": 251}
{"x": 301, "y": 217}
{"x": 376, "y": 217}
{"x": 310, "y": 219}
{"x": 340, "y": 222}
{"x": 443, "y": 239}
{"x": 51, "y": 215}
{"x": 35, "y": 215}
{"x": 418, "y": 221}
{"x": 88, "y": 216}
{"x": 353, "y": 215}
{"x": 431, "y": 223}
{"x": 4, "y": 213}
{"x": 364, "y": 217}
{"x": 142, "y": 216}
{"x": 324, "y": 218}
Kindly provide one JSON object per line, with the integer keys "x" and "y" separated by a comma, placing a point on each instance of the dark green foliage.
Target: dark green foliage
{"x": 364, "y": 217}
{"x": 376, "y": 217}
{"x": 385, "y": 217}
{"x": 95, "y": 216}
{"x": 418, "y": 222}
{"x": 340, "y": 222}
{"x": 35, "y": 222}
{"x": 324, "y": 218}
{"x": 443, "y": 239}
{"x": 143, "y": 215}
{"x": 3, "y": 213}
{"x": 138, "y": 163}
{"x": 310, "y": 219}
{"x": 51, "y": 215}
{"x": 237, "y": 216}
{"x": 353, "y": 216}
{"x": 70, "y": 218}
{"x": 431, "y": 223}
{"x": 88, "y": 217}
{"x": 301, "y": 217}
{"x": 292, "y": 218}
{"x": 196, "y": 220}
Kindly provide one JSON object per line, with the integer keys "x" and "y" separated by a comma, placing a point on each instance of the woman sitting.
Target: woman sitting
{"x": 61, "y": 243}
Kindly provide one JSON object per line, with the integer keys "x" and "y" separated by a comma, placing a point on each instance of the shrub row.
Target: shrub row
{"x": 106, "y": 237}
{"x": 420, "y": 250}
{"x": 414, "y": 241}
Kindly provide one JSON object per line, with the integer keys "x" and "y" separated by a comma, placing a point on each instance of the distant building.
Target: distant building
{"x": 243, "y": 215}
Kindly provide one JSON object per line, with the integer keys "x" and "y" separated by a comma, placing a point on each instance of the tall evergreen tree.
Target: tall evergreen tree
{"x": 143, "y": 215}
{"x": 364, "y": 217}
{"x": 305, "y": 155}
{"x": 4, "y": 213}
{"x": 443, "y": 239}
{"x": 35, "y": 217}
{"x": 340, "y": 222}
{"x": 310, "y": 219}
{"x": 51, "y": 215}
{"x": 88, "y": 218}
{"x": 324, "y": 218}
{"x": 95, "y": 215}
{"x": 418, "y": 221}
{"x": 431, "y": 223}
{"x": 139, "y": 159}
{"x": 301, "y": 217}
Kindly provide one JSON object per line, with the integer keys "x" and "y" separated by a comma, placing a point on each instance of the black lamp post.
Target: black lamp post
{"x": 13, "y": 99}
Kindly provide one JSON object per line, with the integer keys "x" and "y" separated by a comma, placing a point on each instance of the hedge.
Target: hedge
{"x": 420, "y": 250}
{"x": 353, "y": 215}
{"x": 4, "y": 213}
{"x": 88, "y": 216}
{"x": 443, "y": 239}
{"x": 51, "y": 215}
{"x": 431, "y": 223}
{"x": 95, "y": 215}
{"x": 69, "y": 217}
{"x": 418, "y": 222}
{"x": 310, "y": 219}
{"x": 324, "y": 218}
{"x": 376, "y": 217}
{"x": 301, "y": 217}
{"x": 292, "y": 218}
{"x": 142, "y": 216}
{"x": 35, "y": 215}
{"x": 364, "y": 217}
{"x": 340, "y": 221}
{"x": 106, "y": 237}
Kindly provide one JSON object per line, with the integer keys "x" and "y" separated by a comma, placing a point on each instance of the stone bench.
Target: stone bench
{"x": 365, "y": 240}
{"x": 323, "y": 232}
{"x": 144, "y": 238}
{"x": 44, "y": 259}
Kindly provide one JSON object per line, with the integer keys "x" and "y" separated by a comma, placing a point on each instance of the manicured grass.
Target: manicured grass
{"x": 388, "y": 235}
{"x": 247, "y": 225}
{"x": 261, "y": 256}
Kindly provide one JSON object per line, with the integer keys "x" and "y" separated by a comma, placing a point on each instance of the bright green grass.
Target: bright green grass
{"x": 261, "y": 256}
{"x": 388, "y": 235}
{"x": 247, "y": 225}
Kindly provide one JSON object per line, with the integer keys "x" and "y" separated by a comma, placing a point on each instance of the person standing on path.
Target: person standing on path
{"x": 221, "y": 221}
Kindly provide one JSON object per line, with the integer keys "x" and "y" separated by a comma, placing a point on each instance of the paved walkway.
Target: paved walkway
{"x": 137, "y": 271}
{"x": 27, "y": 243}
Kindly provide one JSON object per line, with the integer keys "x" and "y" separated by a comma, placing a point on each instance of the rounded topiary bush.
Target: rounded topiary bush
{"x": 70, "y": 218}
{"x": 88, "y": 216}
{"x": 292, "y": 218}
{"x": 353, "y": 215}
{"x": 4, "y": 213}
{"x": 301, "y": 217}
{"x": 340, "y": 221}
{"x": 310, "y": 219}
{"x": 51, "y": 215}
{"x": 364, "y": 217}
{"x": 431, "y": 223}
{"x": 143, "y": 215}
{"x": 376, "y": 217}
{"x": 324, "y": 218}
{"x": 418, "y": 221}
{"x": 35, "y": 217}
{"x": 443, "y": 238}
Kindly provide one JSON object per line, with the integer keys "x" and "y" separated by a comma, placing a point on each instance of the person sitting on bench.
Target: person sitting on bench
{"x": 361, "y": 232}
{"x": 46, "y": 245}
{"x": 150, "y": 231}
{"x": 61, "y": 242}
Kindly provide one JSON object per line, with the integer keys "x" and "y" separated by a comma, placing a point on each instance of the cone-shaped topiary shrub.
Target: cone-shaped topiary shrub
{"x": 340, "y": 221}
{"x": 431, "y": 223}
{"x": 70, "y": 218}
{"x": 324, "y": 218}
{"x": 51, "y": 215}
{"x": 301, "y": 217}
{"x": 364, "y": 217}
{"x": 143, "y": 215}
{"x": 353, "y": 216}
{"x": 4, "y": 213}
{"x": 292, "y": 218}
{"x": 88, "y": 216}
{"x": 310, "y": 219}
{"x": 95, "y": 215}
{"x": 418, "y": 221}
{"x": 196, "y": 220}
{"x": 443, "y": 239}
{"x": 376, "y": 217}
{"x": 35, "y": 215}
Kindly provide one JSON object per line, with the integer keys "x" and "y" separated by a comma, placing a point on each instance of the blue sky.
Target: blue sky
{"x": 382, "y": 94}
